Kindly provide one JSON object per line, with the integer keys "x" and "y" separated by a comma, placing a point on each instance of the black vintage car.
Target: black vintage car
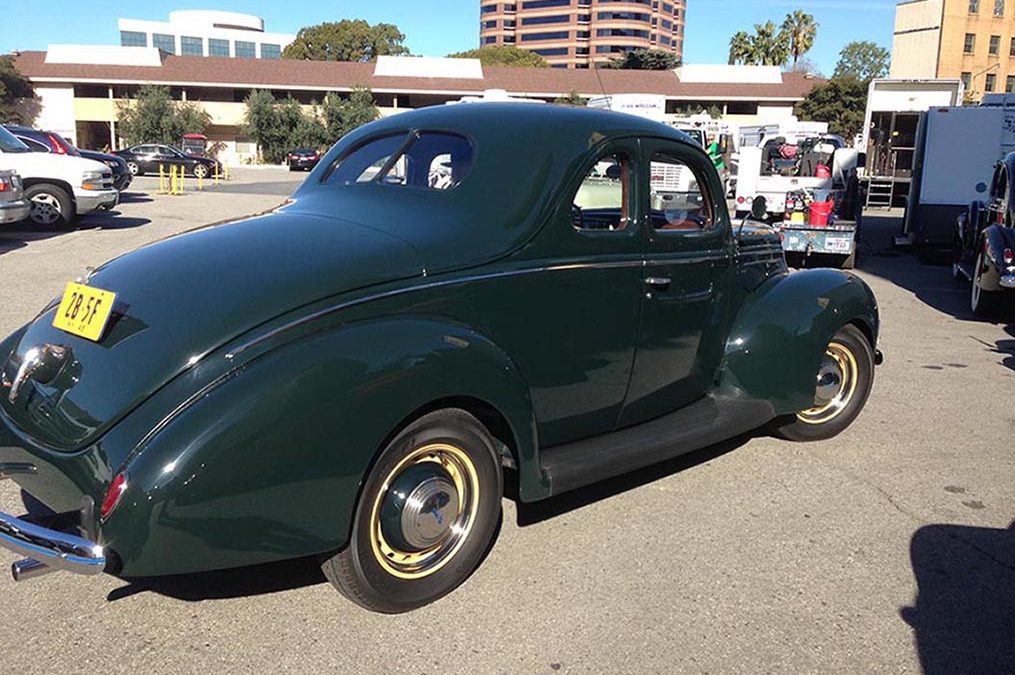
{"x": 147, "y": 158}
{"x": 984, "y": 250}
{"x": 49, "y": 141}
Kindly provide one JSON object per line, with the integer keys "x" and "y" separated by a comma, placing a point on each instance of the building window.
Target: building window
{"x": 509, "y": 23}
{"x": 536, "y": 20}
{"x": 490, "y": 40}
{"x": 191, "y": 46}
{"x": 667, "y": 25}
{"x": 974, "y": 6}
{"x": 552, "y": 51}
{"x": 539, "y": 4}
{"x": 1009, "y": 85}
{"x": 509, "y": 8}
{"x": 488, "y": 9}
{"x": 990, "y": 83}
{"x": 998, "y": 7}
{"x": 995, "y": 45}
{"x": 967, "y": 80}
{"x": 666, "y": 40}
{"x": 509, "y": 39}
{"x": 556, "y": 35}
{"x": 166, "y": 43}
{"x": 667, "y": 8}
{"x": 218, "y": 47}
{"x": 581, "y": 51}
{"x": 131, "y": 38}
{"x": 245, "y": 50}
{"x": 621, "y": 16}
{"x": 270, "y": 51}
{"x": 490, "y": 24}
{"x": 970, "y": 45}
{"x": 622, "y": 32}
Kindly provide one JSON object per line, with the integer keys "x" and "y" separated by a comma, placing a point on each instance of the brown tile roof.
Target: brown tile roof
{"x": 318, "y": 75}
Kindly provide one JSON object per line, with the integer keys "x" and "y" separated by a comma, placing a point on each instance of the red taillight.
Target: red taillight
{"x": 113, "y": 495}
{"x": 1009, "y": 257}
{"x": 5, "y": 185}
{"x": 57, "y": 145}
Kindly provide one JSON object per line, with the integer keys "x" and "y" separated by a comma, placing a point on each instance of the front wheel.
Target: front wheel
{"x": 135, "y": 169}
{"x": 843, "y": 383}
{"x": 51, "y": 206}
{"x": 200, "y": 171}
{"x": 426, "y": 516}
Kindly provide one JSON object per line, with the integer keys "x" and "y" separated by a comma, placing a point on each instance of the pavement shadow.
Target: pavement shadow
{"x": 241, "y": 582}
{"x": 535, "y": 512}
{"x": 964, "y": 615}
{"x": 135, "y": 198}
{"x": 110, "y": 220}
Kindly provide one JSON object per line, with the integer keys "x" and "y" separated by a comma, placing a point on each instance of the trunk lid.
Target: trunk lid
{"x": 177, "y": 300}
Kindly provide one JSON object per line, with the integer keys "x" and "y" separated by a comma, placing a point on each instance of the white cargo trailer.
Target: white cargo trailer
{"x": 956, "y": 150}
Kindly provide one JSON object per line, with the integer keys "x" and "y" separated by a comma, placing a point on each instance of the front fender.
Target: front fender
{"x": 268, "y": 465}
{"x": 782, "y": 329}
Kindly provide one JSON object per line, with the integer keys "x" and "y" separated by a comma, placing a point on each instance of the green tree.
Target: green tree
{"x": 741, "y": 49}
{"x": 342, "y": 115}
{"x": 263, "y": 122}
{"x": 864, "y": 61}
{"x": 503, "y": 55}
{"x": 841, "y": 102}
{"x": 801, "y": 30}
{"x": 346, "y": 40}
{"x": 573, "y": 99}
{"x": 646, "y": 59}
{"x": 154, "y": 117}
{"x": 18, "y": 103}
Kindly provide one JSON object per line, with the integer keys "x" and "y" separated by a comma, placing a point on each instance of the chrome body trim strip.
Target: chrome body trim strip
{"x": 8, "y": 469}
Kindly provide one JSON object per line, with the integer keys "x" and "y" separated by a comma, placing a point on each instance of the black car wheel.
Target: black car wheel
{"x": 51, "y": 206}
{"x": 426, "y": 515}
{"x": 135, "y": 169}
{"x": 843, "y": 383}
{"x": 983, "y": 302}
{"x": 200, "y": 171}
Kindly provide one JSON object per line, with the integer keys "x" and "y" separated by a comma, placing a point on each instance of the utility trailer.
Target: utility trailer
{"x": 832, "y": 238}
{"x": 890, "y": 131}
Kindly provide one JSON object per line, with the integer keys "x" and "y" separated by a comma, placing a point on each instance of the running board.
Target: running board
{"x": 705, "y": 422}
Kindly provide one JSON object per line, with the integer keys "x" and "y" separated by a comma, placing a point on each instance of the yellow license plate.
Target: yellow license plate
{"x": 84, "y": 311}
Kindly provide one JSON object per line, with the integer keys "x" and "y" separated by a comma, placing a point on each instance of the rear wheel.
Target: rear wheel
{"x": 135, "y": 169}
{"x": 51, "y": 206}
{"x": 983, "y": 303}
{"x": 425, "y": 518}
{"x": 843, "y": 383}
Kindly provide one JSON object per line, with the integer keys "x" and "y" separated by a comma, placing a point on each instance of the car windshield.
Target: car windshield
{"x": 8, "y": 142}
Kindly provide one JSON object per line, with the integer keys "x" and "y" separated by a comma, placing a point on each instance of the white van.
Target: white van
{"x": 59, "y": 188}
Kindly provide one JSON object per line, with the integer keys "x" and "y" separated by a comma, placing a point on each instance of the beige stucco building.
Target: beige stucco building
{"x": 971, "y": 40}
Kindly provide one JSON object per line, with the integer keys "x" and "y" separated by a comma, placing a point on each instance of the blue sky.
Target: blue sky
{"x": 438, "y": 27}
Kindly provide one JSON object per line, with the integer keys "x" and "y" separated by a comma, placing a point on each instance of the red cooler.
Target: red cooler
{"x": 820, "y": 212}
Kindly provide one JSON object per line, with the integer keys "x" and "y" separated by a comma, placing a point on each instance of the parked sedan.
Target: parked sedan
{"x": 352, "y": 375}
{"x": 147, "y": 158}
{"x": 13, "y": 205}
{"x": 49, "y": 141}
{"x": 303, "y": 159}
{"x": 984, "y": 250}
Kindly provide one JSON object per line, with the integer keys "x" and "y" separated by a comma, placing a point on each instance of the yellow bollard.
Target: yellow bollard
{"x": 200, "y": 183}
{"x": 182, "y": 174}
{"x": 216, "y": 174}
{"x": 163, "y": 188}
{"x": 172, "y": 180}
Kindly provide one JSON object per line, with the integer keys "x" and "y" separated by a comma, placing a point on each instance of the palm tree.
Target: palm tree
{"x": 770, "y": 46}
{"x": 801, "y": 29}
{"x": 740, "y": 48}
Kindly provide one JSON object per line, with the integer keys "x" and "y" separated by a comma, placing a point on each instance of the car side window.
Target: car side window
{"x": 679, "y": 200}
{"x": 366, "y": 162}
{"x": 36, "y": 146}
{"x": 603, "y": 199}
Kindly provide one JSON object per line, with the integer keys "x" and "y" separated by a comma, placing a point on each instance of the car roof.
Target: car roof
{"x": 524, "y": 153}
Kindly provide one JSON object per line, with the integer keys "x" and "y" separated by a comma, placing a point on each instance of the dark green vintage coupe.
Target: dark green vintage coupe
{"x": 453, "y": 293}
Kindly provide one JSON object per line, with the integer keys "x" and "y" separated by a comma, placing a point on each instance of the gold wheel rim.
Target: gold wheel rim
{"x": 838, "y": 362}
{"x": 419, "y": 564}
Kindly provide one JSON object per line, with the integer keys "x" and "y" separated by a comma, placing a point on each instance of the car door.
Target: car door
{"x": 688, "y": 262}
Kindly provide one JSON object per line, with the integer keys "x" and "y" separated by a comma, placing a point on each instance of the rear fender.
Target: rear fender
{"x": 269, "y": 464}
{"x": 781, "y": 332}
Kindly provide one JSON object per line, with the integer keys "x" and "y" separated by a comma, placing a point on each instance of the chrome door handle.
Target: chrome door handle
{"x": 658, "y": 282}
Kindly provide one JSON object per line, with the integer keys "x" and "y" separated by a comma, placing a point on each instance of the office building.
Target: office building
{"x": 971, "y": 40}
{"x": 206, "y": 33}
{"x": 580, "y": 33}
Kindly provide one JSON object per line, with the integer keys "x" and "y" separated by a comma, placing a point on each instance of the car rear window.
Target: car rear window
{"x": 430, "y": 160}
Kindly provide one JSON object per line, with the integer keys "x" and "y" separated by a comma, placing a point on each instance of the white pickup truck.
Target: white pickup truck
{"x": 58, "y": 188}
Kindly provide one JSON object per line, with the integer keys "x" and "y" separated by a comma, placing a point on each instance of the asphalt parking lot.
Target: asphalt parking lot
{"x": 890, "y": 548}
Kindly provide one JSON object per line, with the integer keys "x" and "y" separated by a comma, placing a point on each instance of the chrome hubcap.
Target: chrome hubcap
{"x": 45, "y": 209}
{"x": 424, "y": 511}
{"x": 835, "y": 385}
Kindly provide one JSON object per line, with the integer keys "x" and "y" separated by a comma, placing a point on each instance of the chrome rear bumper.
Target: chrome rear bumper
{"x": 45, "y": 549}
